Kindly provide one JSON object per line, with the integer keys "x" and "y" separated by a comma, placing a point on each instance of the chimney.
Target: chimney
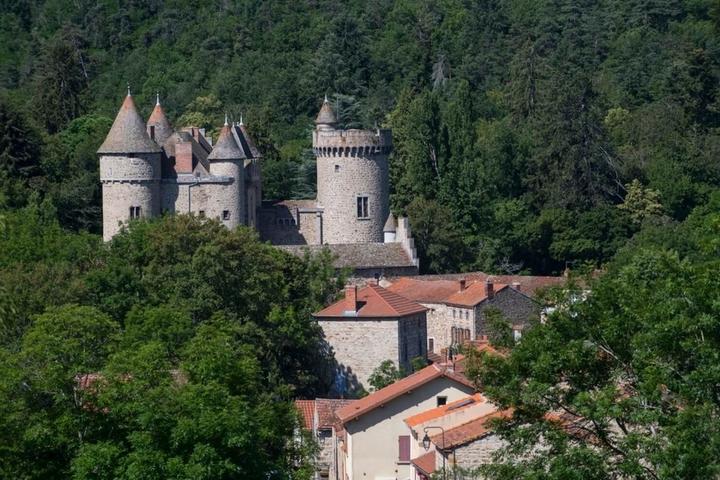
{"x": 489, "y": 288}
{"x": 516, "y": 286}
{"x": 351, "y": 298}
{"x": 463, "y": 283}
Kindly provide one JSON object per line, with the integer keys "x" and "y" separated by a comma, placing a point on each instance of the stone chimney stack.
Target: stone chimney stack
{"x": 489, "y": 288}
{"x": 351, "y": 298}
{"x": 463, "y": 284}
{"x": 516, "y": 286}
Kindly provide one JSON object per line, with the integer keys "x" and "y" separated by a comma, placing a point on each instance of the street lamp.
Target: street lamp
{"x": 426, "y": 445}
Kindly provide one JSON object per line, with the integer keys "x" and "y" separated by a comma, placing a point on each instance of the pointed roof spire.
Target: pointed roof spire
{"x": 326, "y": 116}
{"x": 390, "y": 224}
{"x": 162, "y": 128}
{"x": 128, "y": 134}
{"x": 226, "y": 147}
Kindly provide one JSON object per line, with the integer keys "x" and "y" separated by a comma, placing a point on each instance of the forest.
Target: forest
{"x": 530, "y": 136}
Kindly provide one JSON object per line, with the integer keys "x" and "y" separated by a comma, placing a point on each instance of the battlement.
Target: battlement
{"x": 344, "y": 143}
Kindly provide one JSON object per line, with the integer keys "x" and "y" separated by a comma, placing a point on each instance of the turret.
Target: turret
{"x": 158, "y": 126}
{"x": 129, "y": 170}
{"x": 325, "y": 119}
{"x": 227, "y": 159}
{"x": 352, "y": 180}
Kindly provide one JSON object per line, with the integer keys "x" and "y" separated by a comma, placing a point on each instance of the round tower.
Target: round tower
{"x": 228, "y": 198}
{"x": 352, "y": 180}
{"x": 129, "y": 171}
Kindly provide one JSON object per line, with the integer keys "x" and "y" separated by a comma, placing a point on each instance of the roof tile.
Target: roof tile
{"x": 376, "y": 302}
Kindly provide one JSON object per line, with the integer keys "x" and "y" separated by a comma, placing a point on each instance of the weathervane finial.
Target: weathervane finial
{"x": 157, "y": 97}
{"x": 128, "y": 87}
{"x": 226, "y": 124}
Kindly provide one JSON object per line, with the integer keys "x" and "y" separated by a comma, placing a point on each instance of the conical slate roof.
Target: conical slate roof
{"x": 226, "y": 147}
{"x": 128, "y": 134}
{"x": 157, "y": 119}
{"x": 326, "y": 116}
{"x": 391, "y": 224}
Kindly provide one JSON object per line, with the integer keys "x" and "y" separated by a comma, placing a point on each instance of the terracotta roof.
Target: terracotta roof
{"x": 226, "y": 148}
{"x": 359, "y": 255}
{"x": 163, "y": 129}
{"x": 467, "y": 432}
{"x": 307, "y": 410}
{"x": 425, "y": 463}
{"x": 326, "y": 408}
{"x": 473, "y": 294}
{"x": 390, "y": 224}
{"x": 441, "y": 411}
{"x": 128, "y": 133}
{"x": 326, "y": 115}
{"x": 395, "y": 390}
{"x": 435, "y": 291}
{"x": 376, "y": 302}
{"x": 529, "y": 284}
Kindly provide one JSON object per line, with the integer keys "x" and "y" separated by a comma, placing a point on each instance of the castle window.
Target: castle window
{"x": 226, "y": 215}
{"x": 467, "y": 314}
{"x": 362, "y": 207}
{"x": 337, "y": 168}
{"x": 431, "y": 344}
{"x": 134, "y": 212}
{"x": 201, "y": 213}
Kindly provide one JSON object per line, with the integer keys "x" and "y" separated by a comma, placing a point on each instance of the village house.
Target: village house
{"x": 320, "y": 419}
{"x": 368, "y": 326}
{"x": 457, "y": 308}
{"x": 378, "y": 443}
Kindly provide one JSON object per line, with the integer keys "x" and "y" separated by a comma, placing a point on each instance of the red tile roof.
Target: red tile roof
{"x": 326, "y": 409}
{"x": 376, "y": 302}
{"x": 473, "y": 294}
{"x": 425, "y": 463}
{"x": 307, "y": 410}
{"x": 394, "y": 390}
{"x": 469, "y": 431}
{"x": 441, "y": 411}
{"x": 428, "y": 291}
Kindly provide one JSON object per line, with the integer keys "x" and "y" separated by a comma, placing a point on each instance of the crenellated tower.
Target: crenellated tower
{"x": 129, "y": 171}
{"x": 352, "y": 180}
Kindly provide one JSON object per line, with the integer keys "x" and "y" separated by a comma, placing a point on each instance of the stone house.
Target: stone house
{"x": 368, "y": 326}
{"x": 378, "y": 442}
{"x": 319, "y": 418}
{"x": 457, "y": 308}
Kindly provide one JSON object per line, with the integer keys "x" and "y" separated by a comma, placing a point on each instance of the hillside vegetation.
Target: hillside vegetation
{"x": 520, "y": 126}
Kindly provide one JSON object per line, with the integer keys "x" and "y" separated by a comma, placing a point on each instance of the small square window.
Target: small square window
{"x": 226, "y": 215}
{"x": 441, "y": 401}
{"x": 337, "y": 168}
{"x": 201, "y": 214}
{"x": 362, "y": 207}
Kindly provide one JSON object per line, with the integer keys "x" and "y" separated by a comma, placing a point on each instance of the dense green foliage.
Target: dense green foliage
{"x": 172, "y": 352}
{"x": 519, "y": 125}
{"x": 632, "y": 365}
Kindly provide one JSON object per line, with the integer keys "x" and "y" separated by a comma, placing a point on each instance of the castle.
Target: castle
{"x": 148, "y": 168}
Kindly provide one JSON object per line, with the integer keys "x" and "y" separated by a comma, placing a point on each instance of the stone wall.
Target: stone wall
{"x": 412, "y": 340}
{"x": 290, "y": 225}
{"x": 361, "y": 345}
{"x": 442, "y": 318}
{"x": 477, "y": 453}
{"x": 351, "y": 164}
{"x": 128, "y": 181}
{"x": 515, "y": 306}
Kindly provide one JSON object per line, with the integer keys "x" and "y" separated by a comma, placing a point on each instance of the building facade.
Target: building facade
{"x": 149, "y": 168}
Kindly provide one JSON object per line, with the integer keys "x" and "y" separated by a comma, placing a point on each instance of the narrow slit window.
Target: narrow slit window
{"x": 226, "y": 215}
{"x": 362, "y": 207}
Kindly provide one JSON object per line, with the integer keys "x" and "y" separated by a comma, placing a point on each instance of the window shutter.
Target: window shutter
{"x": 404, "y": 448}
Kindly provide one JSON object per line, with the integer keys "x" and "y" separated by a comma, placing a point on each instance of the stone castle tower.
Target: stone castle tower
{"x": 352, "y": 180}
{"x": 130, "y": 170}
